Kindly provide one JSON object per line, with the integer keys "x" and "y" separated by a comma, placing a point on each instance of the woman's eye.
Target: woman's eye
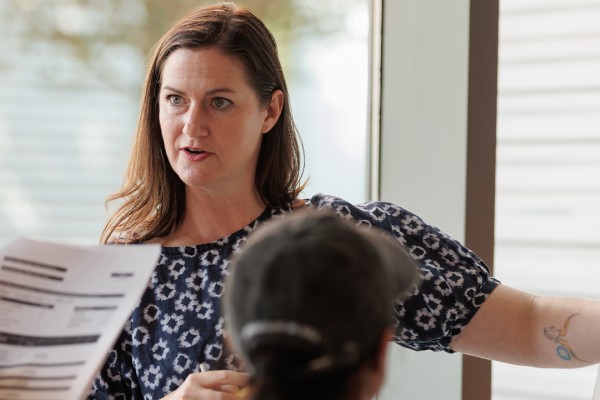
{"x": 175, "y": 99}
{"x": 221, "y": 102}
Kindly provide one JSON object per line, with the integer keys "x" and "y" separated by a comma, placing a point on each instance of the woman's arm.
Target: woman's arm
{"x": 519, "y": 328}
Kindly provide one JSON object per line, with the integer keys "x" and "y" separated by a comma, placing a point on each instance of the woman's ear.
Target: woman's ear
{"x": 372, "y": 374}
{"x": 381, "y": 359}
{"x": 273, "y": 110}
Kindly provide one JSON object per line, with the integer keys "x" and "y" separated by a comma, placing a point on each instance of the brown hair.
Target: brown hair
{"x": 299, "y": 338}
{"x": 153, "y": 196}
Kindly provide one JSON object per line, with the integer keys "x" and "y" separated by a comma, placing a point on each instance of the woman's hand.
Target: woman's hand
{"x": 217, "y": 385}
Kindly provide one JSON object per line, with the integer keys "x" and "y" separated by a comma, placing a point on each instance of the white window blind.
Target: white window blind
{"x": 65, "y": 134}
{"x": 548, "y": 171}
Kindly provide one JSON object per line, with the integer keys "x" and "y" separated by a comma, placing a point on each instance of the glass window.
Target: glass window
{"x": 70, "y": 79}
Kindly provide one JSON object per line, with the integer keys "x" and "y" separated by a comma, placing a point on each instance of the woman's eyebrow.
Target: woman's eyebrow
{"x": 172, "y": 89}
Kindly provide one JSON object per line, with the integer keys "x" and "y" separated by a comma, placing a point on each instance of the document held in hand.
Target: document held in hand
{"x": 61, "y": 309}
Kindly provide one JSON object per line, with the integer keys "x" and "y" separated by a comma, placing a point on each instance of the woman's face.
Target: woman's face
{"x": 211, "y": 119}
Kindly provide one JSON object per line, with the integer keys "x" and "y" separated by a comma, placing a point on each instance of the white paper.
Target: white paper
{"x": 61, "y": 309}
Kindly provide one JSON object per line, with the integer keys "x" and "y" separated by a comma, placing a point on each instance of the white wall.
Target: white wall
{"x": 423, "y": 158}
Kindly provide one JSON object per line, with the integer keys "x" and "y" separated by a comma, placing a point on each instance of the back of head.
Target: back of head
{"x": 308, "y": 301}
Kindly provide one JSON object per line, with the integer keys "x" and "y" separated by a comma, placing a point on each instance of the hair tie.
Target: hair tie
{"x": 256, "y": 333}
{"x": 280, "y": 327}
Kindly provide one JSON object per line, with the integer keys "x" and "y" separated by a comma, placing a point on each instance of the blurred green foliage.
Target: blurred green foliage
{"x": 88, "y": 30}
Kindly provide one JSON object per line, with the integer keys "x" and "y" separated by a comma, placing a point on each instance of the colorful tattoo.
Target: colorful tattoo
{"x": 563, "y": 349}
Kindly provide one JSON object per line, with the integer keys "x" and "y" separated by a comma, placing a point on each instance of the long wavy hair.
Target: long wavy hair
{"x": 152, "y": 197}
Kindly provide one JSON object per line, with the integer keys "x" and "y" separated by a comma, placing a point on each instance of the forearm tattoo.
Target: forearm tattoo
{"x": 563, "y": 348}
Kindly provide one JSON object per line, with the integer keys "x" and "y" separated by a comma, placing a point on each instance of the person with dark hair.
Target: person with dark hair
{"x": 216, "y": 155}
{"x": 309, "y": 303}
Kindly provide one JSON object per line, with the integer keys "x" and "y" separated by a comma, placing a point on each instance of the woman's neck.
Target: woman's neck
{"x": 211, "y": 216}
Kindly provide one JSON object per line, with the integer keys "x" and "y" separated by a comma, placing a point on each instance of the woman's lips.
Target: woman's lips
{"x": 194, "y": 154}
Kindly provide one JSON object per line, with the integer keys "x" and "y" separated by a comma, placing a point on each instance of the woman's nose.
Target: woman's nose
{"x": 195, "y": 122}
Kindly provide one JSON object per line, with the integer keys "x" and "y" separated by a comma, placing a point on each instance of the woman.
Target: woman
{"x": 216, "y": 155}
{"x": 309, "y": 307}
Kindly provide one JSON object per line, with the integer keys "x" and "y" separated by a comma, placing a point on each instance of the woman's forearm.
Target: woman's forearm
{"x": 566, "y": 332}
{"x": 520, "y": 328}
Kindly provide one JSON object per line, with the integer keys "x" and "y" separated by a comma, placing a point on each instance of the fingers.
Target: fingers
{"x": 231, "y": 389}
{"x": 211, "y": 385}
{"x": 221, "y": 378}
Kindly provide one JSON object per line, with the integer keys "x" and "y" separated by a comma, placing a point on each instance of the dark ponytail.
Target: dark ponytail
{"x": 273, "y": 380}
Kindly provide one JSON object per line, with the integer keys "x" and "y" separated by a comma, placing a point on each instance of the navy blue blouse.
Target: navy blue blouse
{"x": 177, "y": 324}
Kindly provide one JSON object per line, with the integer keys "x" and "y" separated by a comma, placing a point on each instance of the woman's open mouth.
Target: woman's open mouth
{"x": 193, "y": 151}
{"x": 194, "y": 154}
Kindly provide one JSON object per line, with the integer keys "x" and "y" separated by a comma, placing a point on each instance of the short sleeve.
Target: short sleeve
{"x": 455, "y": 282}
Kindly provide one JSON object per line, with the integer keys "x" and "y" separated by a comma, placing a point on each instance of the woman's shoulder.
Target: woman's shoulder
{"x": 340, "y": 205}
{"x": 382, "y": 214}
